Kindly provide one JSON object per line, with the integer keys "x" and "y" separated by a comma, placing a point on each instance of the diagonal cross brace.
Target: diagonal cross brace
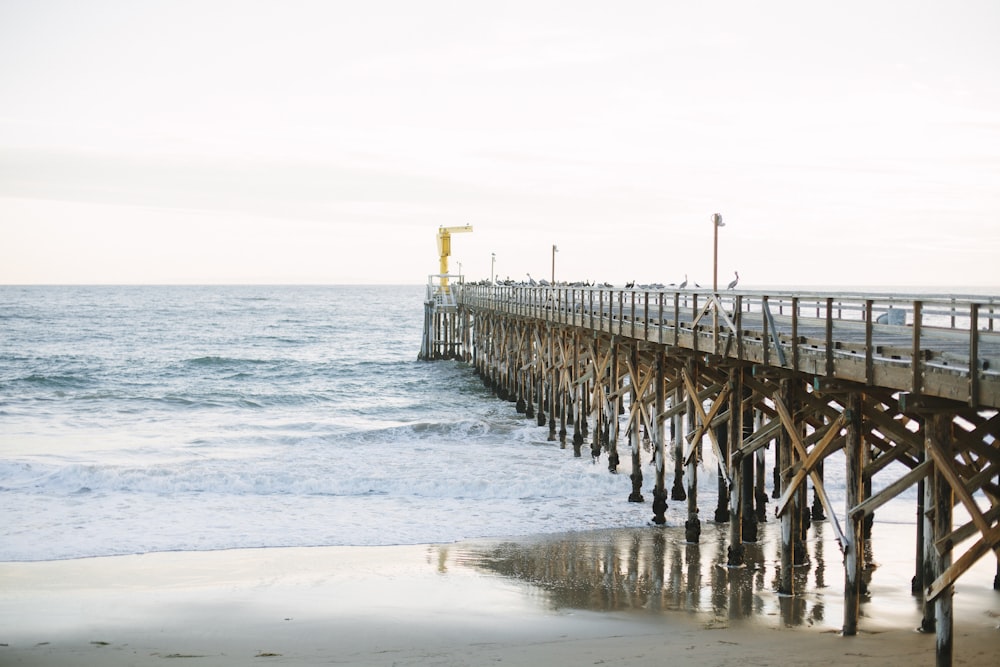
{"x": 786, "y": 419}
{"x": 692, "y": 391}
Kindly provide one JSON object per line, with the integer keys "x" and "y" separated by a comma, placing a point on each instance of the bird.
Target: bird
{"x": 531, "y": 281}
{"x": 732, "y": 285}
{"x": 685, "y": 283}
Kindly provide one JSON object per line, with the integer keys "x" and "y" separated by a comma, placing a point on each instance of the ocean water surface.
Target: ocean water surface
{"x": 137, "y": 419}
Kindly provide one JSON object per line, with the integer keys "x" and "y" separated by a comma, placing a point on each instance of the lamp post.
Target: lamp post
{"x": 493, "y": 265}
{"x": 716, "y": 223}
{"x": 554, "y": 251}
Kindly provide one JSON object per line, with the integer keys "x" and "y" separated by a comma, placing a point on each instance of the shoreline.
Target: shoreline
{"x": 618, "y": 597}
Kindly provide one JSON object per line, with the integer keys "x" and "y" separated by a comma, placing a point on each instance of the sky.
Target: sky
{"x": 301, "y": 141}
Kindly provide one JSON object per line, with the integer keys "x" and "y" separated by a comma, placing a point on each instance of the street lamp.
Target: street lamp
{"x": 493, "y": 264}
{"x": 716, "y": 223}
{"x": 554, "y": 251}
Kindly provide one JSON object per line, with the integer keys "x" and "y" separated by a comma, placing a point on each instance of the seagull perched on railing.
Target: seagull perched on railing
{"x": 685, "y": 283}
{"x": 732, "y": 285}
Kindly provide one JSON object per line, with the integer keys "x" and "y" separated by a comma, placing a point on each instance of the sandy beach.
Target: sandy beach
{"x": 621, "y": 597}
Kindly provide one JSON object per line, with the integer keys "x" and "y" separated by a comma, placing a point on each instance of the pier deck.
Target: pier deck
{"x": 832, "y": 336}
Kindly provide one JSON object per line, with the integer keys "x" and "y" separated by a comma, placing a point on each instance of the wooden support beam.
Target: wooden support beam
{"x": 718, "y": 420}
{"x": 789, "y": 521}
{"x": 818, "y": 453}
{"x": 937, "y": 439}
{"x": 761, "y": 437}
{"x": 796, "y": 440}
{"x": 832, "y": 385}
{"x": 891, "y": 452}
{"x": 855, "y": 527}
{"x": 888, "y": 493}
{"x": 692, "y": 391}
{"x": 965, "y": 531}
{"x": 920, "y": 404}
{"x": 659, "y": 430}
{"x": 681, "y": 407}
{"x": 944, "y": 466}
{"x": 893, "y": 428}
{"x": 734, "y": 464}
{"x": 987, "y": 543}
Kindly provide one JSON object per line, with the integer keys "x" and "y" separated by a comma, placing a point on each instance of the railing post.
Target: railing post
{"x": 590, "y": 306}
{"x": 829, "y": 336}
{"x": 766, "y": 337}
{"x": 659, "y": 318}
{"x": 869, "y": 349}
{"x": 621, "y": 312}
{"x": 645, "y": 316}
{"x": 632, "y": 315}
{"x": 974, "y": 355}
{"x": 738, "y": 312}
{"x": 600, "y": 306}
{"x": 677, "y": 318}
{"x": 694, "y": 314}
{"x": 916, "y": 384}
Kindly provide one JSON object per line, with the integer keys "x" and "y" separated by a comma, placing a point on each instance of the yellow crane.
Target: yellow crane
{"x": 444, "y": 248}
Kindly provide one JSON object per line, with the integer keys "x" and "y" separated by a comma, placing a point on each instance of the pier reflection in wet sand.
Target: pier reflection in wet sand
{"x": 655, "y": 570}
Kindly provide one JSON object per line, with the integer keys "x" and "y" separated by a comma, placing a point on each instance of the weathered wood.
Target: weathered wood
{"x": 817, "y": 454}
{"x": 700, "y": 413}
{"x": 862, "y": 510}
{"x": 939, "y": 446}
{"x": 692, "y": 526}
{"x": 789, "y": 520}
{"x": 575, "y": 352}
{"x": 660, "y": 490}
{"x": 855, "y": 528}
{"x": 800, "y": 448}
{"x": 706, "y": 421}
{"x": 986, "y": 544}
{"x": 762, "y": 437}
{"x": 677, "y": 492}
{"x": 736, "y": 550}
{"x": 633, "y": 425}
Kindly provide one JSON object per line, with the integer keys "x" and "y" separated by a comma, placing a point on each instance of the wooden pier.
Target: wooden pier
{"x": 889, "y": 379}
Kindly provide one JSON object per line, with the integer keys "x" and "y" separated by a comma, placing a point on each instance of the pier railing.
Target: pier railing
{"x": 932, "y": 345}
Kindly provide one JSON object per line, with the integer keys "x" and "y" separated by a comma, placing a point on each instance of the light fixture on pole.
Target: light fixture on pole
{"x": 493, "y": 265}
{"x": 716, "y": 223}
{"x": 554, "y": 251}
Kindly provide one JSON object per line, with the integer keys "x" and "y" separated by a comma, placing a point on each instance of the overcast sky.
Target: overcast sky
{"x": 296, "y": 141}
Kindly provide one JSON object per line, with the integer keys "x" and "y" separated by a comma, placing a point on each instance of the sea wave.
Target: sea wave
{"x": 59, "y": 381}
{"x": 408, "y": 470}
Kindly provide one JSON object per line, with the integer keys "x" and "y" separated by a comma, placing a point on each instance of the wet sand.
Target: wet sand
{"x": 621, "y": 597}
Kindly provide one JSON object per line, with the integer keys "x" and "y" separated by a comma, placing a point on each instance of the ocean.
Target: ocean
{"x": 163, "y": 418}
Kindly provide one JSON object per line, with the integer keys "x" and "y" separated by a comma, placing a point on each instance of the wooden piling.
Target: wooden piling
{"x": 660, "y": 489}
{"x": 736, "y": 468}
{"x": 853, "y": 557}
{"x": 692, "y": 526}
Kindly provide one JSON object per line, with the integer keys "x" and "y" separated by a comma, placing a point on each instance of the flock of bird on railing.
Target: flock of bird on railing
{"x": 531, "y": 282}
